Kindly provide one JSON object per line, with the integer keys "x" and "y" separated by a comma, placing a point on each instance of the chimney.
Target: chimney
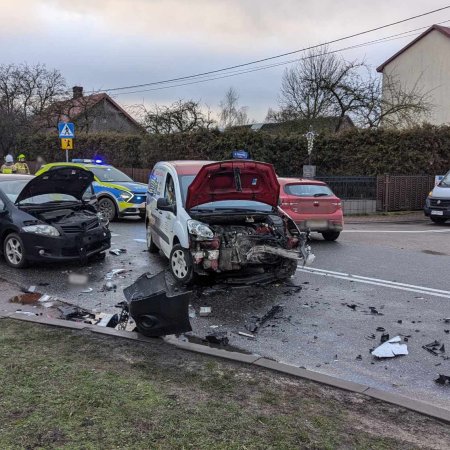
{"x": 77, "y": 92}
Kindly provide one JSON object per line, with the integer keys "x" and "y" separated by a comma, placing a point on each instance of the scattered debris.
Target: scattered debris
{"x": 140, "y": 240}
{"x": 107, "y": 320}
{"x": 87, "y": 291}
{"x": 435, "y": 348}
{"x": 192, "y": 313}
{"x": 256, "y": 322}
{"x": 31, "y": 289}
{"x": 400, "y": 321}
{"x": 113, "y": 273}
{"x": 205, "y": 311}
{"x": 26, "y": 299}
{"x": 359, "y": 357}
{"x": 26, "y": 313}
{"x": 117, "y": 251}
{"x": 447, "y": 320}
{"x": 248, "y": 335}
{"x": 374, "y": 311}
{"x": 380, "y": 329}
{"x": 446, "y": 331}
{"x": 220, "y": 338}
{"x": 109, "y": 286}
{"x": 443, "y": 379}
{"x": 158, "y": 307}
{"x": 390, "y": 349}
{"x": 384, "y": 338}
{"x": 352, "y": 306}
{"x": 44, "y": 298}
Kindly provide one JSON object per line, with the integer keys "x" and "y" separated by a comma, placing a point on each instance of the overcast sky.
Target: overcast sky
{"x": 100, "y": 44}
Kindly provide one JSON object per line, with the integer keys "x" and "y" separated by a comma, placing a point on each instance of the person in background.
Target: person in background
{"x": 21, "y": 165}
{"x": 9, "y": 166}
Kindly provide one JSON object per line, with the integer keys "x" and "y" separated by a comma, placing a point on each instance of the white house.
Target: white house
{"x": 424, "y": 63}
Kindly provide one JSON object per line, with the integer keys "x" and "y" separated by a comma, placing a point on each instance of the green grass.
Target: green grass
{"x": 62, "y": 389}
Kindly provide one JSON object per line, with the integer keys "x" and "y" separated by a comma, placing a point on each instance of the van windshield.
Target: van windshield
{"x": 445, "y": 182}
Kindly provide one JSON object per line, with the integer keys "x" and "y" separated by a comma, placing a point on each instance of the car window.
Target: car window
{"x": 2, "y": 205}
{"x": 13, "y": 188}
{"x": 308, "y": 190}
{"x": 185, "y": 182}
{"x": 445, "y": 181}
{"x": 110, "y": 174}
{"x": 169, "y": 190}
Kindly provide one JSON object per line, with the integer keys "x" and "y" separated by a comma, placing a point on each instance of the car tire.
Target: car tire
{"x": 107, "y": 207}
{"x": 330, "y": 235}
{"x": 181, "y": 266}
{"x": 14, "y": 251}
{"x": 439, "y": 220}
{"x": 151, "y": 246}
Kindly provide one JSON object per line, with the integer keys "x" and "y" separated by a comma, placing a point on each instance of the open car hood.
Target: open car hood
{"x": 234, "y": 180}
{"x": 61, "y": 180}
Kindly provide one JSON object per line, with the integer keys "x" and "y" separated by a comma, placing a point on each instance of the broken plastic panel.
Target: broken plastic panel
{"x": 157, "y": 306}
{"x": 391, "y": 348}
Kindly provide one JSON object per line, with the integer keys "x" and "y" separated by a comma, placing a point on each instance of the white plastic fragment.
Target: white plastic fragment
{"x": 87, "y": 291}
{"x": 31, "y": 289}
{"x": 44, "y": 298}
{"x": 241, "y": 333}
{"x": 205, "y": 311}
{"x": 140, "y": 240}
{"x": 391, "y": 348}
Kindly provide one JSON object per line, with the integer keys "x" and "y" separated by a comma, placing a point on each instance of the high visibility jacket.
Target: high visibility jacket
{"x": 22, "y": 167}
{"x": 7, "y": 169}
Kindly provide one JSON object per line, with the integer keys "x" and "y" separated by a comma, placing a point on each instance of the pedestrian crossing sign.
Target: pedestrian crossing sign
{"x": 67, "y": 144}
{"x": 66, "y": 130}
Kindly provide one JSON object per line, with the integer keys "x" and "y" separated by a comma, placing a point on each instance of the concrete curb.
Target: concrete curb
{"x": 418, "y": 406}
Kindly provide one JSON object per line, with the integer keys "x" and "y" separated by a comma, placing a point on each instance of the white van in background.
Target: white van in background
{"x": 437, "y": 204}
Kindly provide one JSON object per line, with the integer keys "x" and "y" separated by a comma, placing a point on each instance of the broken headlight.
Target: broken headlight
{"x": 199, "y": 229}
{"x": 103, "y": 220}
{"x": 46, "y": 230}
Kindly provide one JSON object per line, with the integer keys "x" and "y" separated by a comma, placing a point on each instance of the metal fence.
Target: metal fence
{"x": 352, "y": 188}
{"x": 403, "y": 192}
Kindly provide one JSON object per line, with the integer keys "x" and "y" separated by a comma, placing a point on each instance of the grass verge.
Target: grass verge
{"x": 63, "y": 389}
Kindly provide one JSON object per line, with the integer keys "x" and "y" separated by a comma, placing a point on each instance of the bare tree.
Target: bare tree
{"x": 393, "y": 105}
{"x": 231, "y": 114}
{"x": 25, "y": 92}
{"x": 181, "y": 116}
{"x": 323, "y": 84}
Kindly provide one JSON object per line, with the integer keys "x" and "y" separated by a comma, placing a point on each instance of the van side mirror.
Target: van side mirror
{"x": 163, "y": 205}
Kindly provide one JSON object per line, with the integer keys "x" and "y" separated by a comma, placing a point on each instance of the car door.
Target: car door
{"x": 167, "y": 218}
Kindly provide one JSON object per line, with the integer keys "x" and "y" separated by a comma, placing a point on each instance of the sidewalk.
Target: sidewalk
{"x": 393, "y": 217}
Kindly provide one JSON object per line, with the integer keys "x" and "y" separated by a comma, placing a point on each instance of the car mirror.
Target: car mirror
{"x": 163, "y": 205}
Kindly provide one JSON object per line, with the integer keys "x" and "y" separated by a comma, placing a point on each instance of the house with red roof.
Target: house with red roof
{"x": 424, "y": 64}
{"x": 91, "y": 114}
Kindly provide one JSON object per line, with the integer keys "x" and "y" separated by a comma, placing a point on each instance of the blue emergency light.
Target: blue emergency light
{"x": 240, "y": 154}
{"x": 87, "y": 161}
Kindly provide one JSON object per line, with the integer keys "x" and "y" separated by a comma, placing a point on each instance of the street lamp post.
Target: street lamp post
{"x": 310, "y": 135}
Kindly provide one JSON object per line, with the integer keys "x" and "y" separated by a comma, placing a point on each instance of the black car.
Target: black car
{"x": 51, "y": 217}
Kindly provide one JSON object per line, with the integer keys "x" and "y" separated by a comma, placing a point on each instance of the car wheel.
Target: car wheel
{"x": 107, "y": 207}
{"x": 181, "y": 264}
{"x": 14, "y": 251}
{"x": 151, "y": 246}
{"x": 438, "y": 219}
{"x": 330, "y": 235}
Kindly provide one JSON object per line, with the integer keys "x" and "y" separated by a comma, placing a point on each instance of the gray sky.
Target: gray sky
{"x": 101, "y": 44}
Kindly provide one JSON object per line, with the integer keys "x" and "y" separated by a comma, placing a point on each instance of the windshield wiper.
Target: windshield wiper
{"x": 321, "y": 194}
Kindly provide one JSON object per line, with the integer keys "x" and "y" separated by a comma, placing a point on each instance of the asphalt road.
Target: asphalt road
{"x": 401, "y": 270}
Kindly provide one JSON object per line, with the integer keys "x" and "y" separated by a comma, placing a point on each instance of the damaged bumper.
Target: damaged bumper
{"x": 74, "y": 247}
{"x": 157, "y": 307}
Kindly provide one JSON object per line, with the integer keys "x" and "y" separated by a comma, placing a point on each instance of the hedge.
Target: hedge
{"x": 421, "y": 150}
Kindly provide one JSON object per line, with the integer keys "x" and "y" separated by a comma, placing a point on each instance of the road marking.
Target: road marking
{"x": 377, "y": 282}
{"x": 396, "y": 231}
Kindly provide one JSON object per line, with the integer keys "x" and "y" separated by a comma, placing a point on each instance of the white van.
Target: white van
{"x": 437, "y": 204}
{"x": 218, "y": 217}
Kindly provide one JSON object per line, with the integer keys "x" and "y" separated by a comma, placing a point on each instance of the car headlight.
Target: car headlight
{"x": 127, "y": 196}
{"x": 199, "y": 229}
{"x": 103, "y": 220}
{"x": 430, "y": 194}
{"x": 46, "y": 230}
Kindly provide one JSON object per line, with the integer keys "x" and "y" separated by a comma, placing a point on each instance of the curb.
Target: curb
{"x": 418, "y": 406}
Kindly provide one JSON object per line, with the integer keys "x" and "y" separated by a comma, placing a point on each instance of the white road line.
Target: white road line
{"x": 377, "y": 282}
{"x": 396, "y": 231}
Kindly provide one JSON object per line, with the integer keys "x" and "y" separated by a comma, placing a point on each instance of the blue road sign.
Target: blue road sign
{"x": 240, "y": 154}
{"x": 66, "y": 130}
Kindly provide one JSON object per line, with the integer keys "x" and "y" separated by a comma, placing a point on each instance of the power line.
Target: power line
{"x": 277, "y": 56}
{"x": 259, "y": 68}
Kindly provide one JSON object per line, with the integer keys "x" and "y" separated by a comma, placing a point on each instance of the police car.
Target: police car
{"x": 118, "y": 195}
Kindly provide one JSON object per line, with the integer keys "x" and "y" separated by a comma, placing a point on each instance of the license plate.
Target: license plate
{"x": 317, "y": 223}
{"x": 437, "y": 213}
